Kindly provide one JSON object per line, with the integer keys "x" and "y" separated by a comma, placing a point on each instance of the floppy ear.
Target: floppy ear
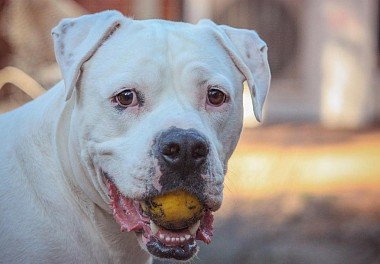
{"x": 77, "y": 39}
{"x": 249, "y": 53}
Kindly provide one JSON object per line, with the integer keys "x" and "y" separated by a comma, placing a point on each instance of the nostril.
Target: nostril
{"x": 171, "y": 149}
{"x": 182, "y": 150}
{"x": 199, "y": 151}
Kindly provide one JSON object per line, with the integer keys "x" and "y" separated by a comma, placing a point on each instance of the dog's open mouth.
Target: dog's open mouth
{"x": 159, "y": 241}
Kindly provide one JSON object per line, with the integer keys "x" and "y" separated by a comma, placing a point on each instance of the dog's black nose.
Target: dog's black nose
{"x": 182, "y": 149}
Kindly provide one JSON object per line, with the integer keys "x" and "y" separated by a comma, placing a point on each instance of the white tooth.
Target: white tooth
{"x": 177, "y": 239}
{"x": 194, "y": 228}
{"x": 173, "y": 239}
{"x": 182, "y": 239}
{"x": 162, "y": 236}
{"x": 167, "y": 239}
{"x": 187, "y": 237}
{"x": 154, "y": 227}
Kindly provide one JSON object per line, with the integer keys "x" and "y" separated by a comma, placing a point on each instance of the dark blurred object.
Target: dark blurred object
{"x": 164, "y": 9}
{"x": 124, "y": 6}
{"x": 5, "y": 48}
{"x": 172, "y": 10}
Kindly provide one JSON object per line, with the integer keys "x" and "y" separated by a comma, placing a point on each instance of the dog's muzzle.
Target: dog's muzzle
{"x": 181, "y": 158}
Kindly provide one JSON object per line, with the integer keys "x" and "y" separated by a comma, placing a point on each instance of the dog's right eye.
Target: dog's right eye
{"x": 127, "y": 98}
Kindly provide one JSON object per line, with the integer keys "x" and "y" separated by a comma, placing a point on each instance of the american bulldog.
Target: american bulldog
{"x": 144, "y": 108}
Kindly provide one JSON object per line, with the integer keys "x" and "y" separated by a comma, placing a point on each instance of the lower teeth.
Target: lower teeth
{"x": 192, "y": 230}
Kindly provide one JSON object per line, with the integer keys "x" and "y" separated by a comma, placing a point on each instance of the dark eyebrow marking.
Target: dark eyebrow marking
{"x": 202, "y": 82}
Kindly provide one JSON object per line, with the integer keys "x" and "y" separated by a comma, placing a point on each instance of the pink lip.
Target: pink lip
{"x": 127, "y": 213}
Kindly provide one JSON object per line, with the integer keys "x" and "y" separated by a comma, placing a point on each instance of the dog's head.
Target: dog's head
{"x": 158, "y": 108}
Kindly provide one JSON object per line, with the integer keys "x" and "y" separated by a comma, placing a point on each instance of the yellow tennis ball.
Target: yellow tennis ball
{"x": 174, "y": 210}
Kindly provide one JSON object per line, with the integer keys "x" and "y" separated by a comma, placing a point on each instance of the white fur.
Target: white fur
{"x": 53, "y": 202}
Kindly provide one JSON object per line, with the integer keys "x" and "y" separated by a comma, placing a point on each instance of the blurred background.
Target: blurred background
{"x": 303, "y": 187}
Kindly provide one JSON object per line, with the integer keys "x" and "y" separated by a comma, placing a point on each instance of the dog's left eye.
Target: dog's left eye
{"x": 127, "y": 98}
{"x": 216, "y": 97}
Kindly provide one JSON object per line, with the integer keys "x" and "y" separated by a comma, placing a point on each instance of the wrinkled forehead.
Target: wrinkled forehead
{"x": 150, "y": 50}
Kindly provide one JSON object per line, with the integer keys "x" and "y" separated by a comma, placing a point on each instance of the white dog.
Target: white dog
{"x": 144, "y": 108}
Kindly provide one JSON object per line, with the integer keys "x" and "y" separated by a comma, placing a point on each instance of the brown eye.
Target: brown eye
{"x": 127, "y": 98}
{"x": 216, "y": 97}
